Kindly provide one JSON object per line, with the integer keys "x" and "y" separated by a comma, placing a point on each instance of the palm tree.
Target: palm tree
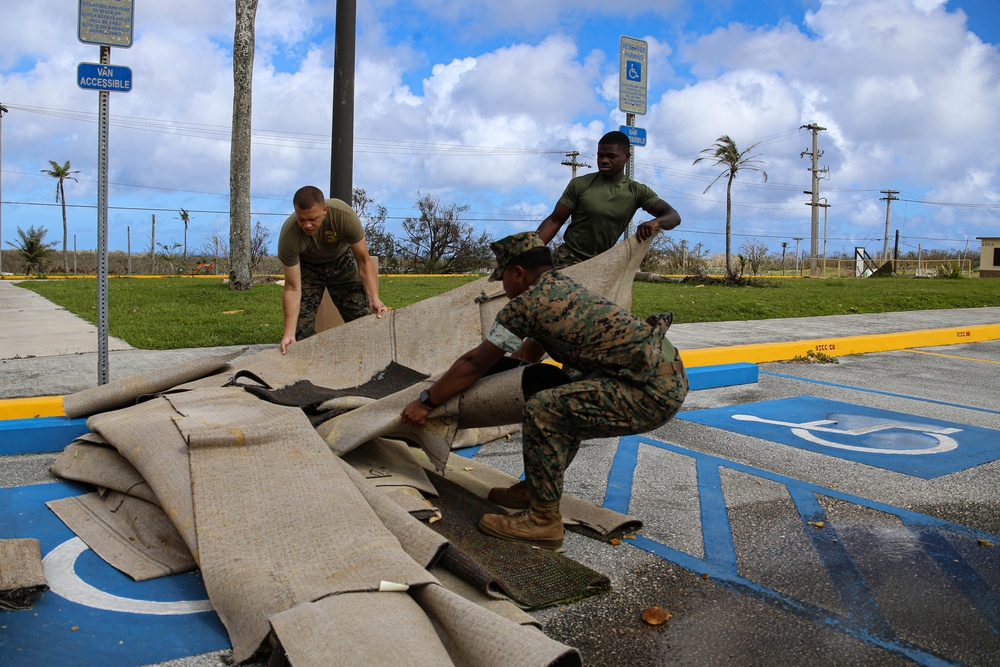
{"x": 240, "y": 274}
{"x": 62, "y": 174}
{"x": 726, "y": 154}
{"x": 186, "y": 217}
{"x": 32, "y": 248}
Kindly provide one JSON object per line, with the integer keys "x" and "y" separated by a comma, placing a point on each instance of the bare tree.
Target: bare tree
{"x": 439, "y": 242}
{"x": 240, "y": 273}
{"x": 259, "y": 241}
{"x": 727, "y": 155}
{"x": 755, "y": 253}
{"x": 669, "y": 256}
{"x": 380, "y": 242}
{"x": 62, "y": 174}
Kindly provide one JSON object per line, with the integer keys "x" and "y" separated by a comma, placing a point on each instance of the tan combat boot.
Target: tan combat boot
{"x": 516, "y": 497}
{"x": 541, "y": 525}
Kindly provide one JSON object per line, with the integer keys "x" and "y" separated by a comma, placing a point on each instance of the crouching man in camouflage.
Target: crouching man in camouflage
{"x": 631, "y": 380}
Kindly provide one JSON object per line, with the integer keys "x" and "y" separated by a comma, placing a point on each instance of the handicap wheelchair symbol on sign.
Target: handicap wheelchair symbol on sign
{"x": 633, "y": 70}
{"x": 909, "y": 444}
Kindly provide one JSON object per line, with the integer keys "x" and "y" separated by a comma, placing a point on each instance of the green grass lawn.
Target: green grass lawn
{"x": 169, "y": 313}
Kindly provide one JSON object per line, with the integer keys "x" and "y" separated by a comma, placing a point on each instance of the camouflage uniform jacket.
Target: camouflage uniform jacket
{"x": 581, "y": 330}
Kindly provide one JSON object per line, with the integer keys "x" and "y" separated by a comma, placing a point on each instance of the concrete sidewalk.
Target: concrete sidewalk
{"x": 45, "y": 350}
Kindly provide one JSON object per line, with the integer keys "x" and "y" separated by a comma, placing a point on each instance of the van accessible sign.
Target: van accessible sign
{"x": 106, "y": 22}
{"x": 110, "y": 78}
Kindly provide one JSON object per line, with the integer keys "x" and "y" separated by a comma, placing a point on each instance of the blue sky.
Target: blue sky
{"x": 478, "y": 103}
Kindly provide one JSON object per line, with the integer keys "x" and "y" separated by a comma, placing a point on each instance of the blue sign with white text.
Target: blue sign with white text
{"x": 636, "y": 135}
{"x": 110, "y": 78}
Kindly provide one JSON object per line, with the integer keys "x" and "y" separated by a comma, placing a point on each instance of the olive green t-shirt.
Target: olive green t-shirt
{"x": 602, "y": 209}
{"x": 341, "y": 227}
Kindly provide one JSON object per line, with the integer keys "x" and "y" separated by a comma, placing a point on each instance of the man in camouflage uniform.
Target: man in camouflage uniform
{"x": 322, "y": 246}
{"x": 630, "y": 380}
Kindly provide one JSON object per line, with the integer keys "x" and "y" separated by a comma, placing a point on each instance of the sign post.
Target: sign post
{"x": 632, "y": 83}
{"x": 106, "y": 23}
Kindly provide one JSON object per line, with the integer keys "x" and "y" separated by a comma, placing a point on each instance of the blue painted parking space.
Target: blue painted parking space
{"x": 917, "y": 446}
{"x": 962, "y": 562}
{"x": 93, "y": 614}
{"x": 40, "y": 434}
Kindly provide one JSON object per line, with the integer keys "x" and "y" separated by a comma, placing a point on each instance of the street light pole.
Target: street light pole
{"x": 3, "y": 110}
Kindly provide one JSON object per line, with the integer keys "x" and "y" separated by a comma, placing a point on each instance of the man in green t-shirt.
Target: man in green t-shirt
{"x": 313, "y": 248}
{"x": 602, "y": 205}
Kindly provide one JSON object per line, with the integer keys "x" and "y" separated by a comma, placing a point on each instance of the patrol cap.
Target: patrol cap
{"x": 510, "y": 247}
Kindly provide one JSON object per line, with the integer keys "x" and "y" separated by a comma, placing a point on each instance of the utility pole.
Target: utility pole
{"x": 815, "y": 154}
{"x": 572, "y": 163}
{"x": 3, "y": 110}
{"x": 888, "y": 199}
{"x": 342, "y": 146}
{"x": 797, "y": 239}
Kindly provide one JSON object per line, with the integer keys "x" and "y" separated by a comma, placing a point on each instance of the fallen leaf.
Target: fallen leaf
{"x": 468, "y": 468}
{"x": 816, "y": 524}
{"x": 74, "y": 628}
{"x": 231, "y": 312}
{"x": 985, "y": 543}
{"x": 615, "y": 541}
{"x": 655, "y": 615}
{"x": 704, "y": 575}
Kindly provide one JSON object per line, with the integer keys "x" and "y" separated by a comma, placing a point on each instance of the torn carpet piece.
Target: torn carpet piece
{"x": 423, "y": 545}
{"x": 578, "y": 515}
{"x": 427, "y": 335}
{"x": 121, "y": 393}
{"x": 147, "y": 436}
{"x": 306, "y": 395}
{"x": 531, "y": 578}
{"x": 130, "y": 534}
{"x": 500, "y": 606}
{"x": 102, "y": 466}
{"x": 427, "y": 627}
{"x": 279, "y": 520}
{"x": 388, "y": 462}
{"x": 21, "y": 574}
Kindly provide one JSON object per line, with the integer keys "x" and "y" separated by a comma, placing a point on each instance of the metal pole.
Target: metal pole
{"x": 630, "y": 122}
{"x": 3, "y": 110}
{"x": 342, "y": 154}
{"x": 102, "y": 228}
{"x": 797, "y": 239}
{"x": 74, "y": 254}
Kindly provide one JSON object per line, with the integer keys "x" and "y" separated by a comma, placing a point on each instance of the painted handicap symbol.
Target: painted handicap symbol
{"x": 60, "y": 571}
{"x": 896, "y": 441}
{"x": 634, "y": 71}
{"x": 872, "y": 435}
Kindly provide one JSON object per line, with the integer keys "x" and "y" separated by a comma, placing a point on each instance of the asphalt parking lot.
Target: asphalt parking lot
{"x": 827, "y": 514}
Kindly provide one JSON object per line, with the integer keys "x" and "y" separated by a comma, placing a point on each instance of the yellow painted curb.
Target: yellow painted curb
{"x": 51, "y": 406}
{"x": 839, "y": 347}
{"x": 29, "y": 408}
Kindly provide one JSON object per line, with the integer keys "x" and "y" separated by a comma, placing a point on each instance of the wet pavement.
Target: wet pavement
{"x": 828, "y": 514}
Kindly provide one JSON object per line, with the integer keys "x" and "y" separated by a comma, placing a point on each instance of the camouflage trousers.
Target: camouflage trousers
{"x": 557, "y": 420}
{"x": 563, "y": 257}
{"x": 341, "y": 278}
